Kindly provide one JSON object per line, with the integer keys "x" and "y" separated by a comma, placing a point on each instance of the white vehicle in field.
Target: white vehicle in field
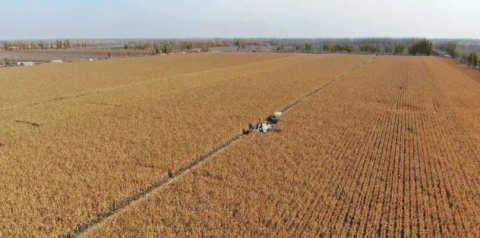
{"x": 266, "y": 126}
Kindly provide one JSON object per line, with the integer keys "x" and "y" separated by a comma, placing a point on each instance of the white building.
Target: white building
{"x": 25, "y": 63}
{"x": 56, "y": 61}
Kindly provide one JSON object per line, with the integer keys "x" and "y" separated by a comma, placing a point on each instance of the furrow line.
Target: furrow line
{"x": 284, "y": 215}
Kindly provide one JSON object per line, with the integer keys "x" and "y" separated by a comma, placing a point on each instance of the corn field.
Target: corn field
{"x": 382, "y": 146}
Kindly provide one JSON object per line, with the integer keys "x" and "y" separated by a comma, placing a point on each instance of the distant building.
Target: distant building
{"x": 56, "y": 61}
{"x": 25, "y": 63}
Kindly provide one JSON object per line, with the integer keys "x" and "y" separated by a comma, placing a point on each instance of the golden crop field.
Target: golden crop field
{"x": 389, "y": 150}
{"x": 79, "y": 138}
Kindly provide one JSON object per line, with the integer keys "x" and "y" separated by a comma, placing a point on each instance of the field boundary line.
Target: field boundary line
{"x": 117, "y": 207}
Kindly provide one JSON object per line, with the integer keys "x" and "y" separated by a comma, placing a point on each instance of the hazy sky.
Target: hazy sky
{"x": 24, "y": 19}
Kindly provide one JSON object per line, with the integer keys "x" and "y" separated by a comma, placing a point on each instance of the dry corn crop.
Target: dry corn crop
{"x": 389, "y": 150}
{"x": 80, "y": 137}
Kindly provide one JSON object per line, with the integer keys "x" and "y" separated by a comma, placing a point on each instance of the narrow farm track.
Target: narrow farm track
{"x": 81, "y": 163}
{"x": 390, "y": 150}
{"x": 83, "y": 228}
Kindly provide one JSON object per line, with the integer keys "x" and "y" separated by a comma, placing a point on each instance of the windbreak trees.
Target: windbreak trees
{"x": 422, "y": 47}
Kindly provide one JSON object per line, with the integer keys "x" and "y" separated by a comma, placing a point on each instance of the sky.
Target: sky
{"x": 53, "y": 19}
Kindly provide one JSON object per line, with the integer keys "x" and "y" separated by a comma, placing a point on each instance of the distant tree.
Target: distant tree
{"x": 423, "y": 46}
{"x": 473, "y": 59}
{"x": 6, "y": 46}
{"x": 167, "y": 48}
{"x": 399, "y": 48}
{"x": 449, "y": 47}
{"x": 326, "y": 47}
{"x": 188, "y": 45}
{"x": 452, "y": 49}
{"x": 388, "y": 49}
{"x": 127, "y": 46}
{"x": 25, "y": 46}
{"x": 237, "y": 44}
{"x": 20, "y": 45}
{"x": 158, "y": 47}
{"x": 67, "y": 44}
{"x": 364, "y": 47}
{"x": 205, "y": 48}
{"x": 280, "y": 47}
{"x": 349, "y": 48}
{"x": 33, "y": 45}
{"x": 464, "y": 58}
{"x": 367, "y": 47}
{"x": 59, "y": 44}
{"x": 411, "y": 50}
{"x": 7, "y": 62}
{"x": 308, "y": 47}
{"x": 338, "y": 47}
{"x": 147, "y": 46}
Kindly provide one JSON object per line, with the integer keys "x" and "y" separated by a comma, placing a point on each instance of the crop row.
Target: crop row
{"x": 51, "y": 93}
{"x": 66, "y": 171}
{"x": 382, "y": 152}
{"x": 47, "y": 82}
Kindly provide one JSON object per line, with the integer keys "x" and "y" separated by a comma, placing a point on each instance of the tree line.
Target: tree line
{"x": 166, "y": 47}
{"x": 470, "y": 58}
{"x": 413, "y": 46}
{"x": 459, "y": 52}
{"x": 40, "y": 45}
{"x": 423, "y": 46}
{"x": 397, "y": 48}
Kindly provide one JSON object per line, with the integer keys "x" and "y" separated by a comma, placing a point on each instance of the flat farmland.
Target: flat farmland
{"x": 77, "y": 138}
{"x": 389, "y": 150}
{"x": 369, "y": 146}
